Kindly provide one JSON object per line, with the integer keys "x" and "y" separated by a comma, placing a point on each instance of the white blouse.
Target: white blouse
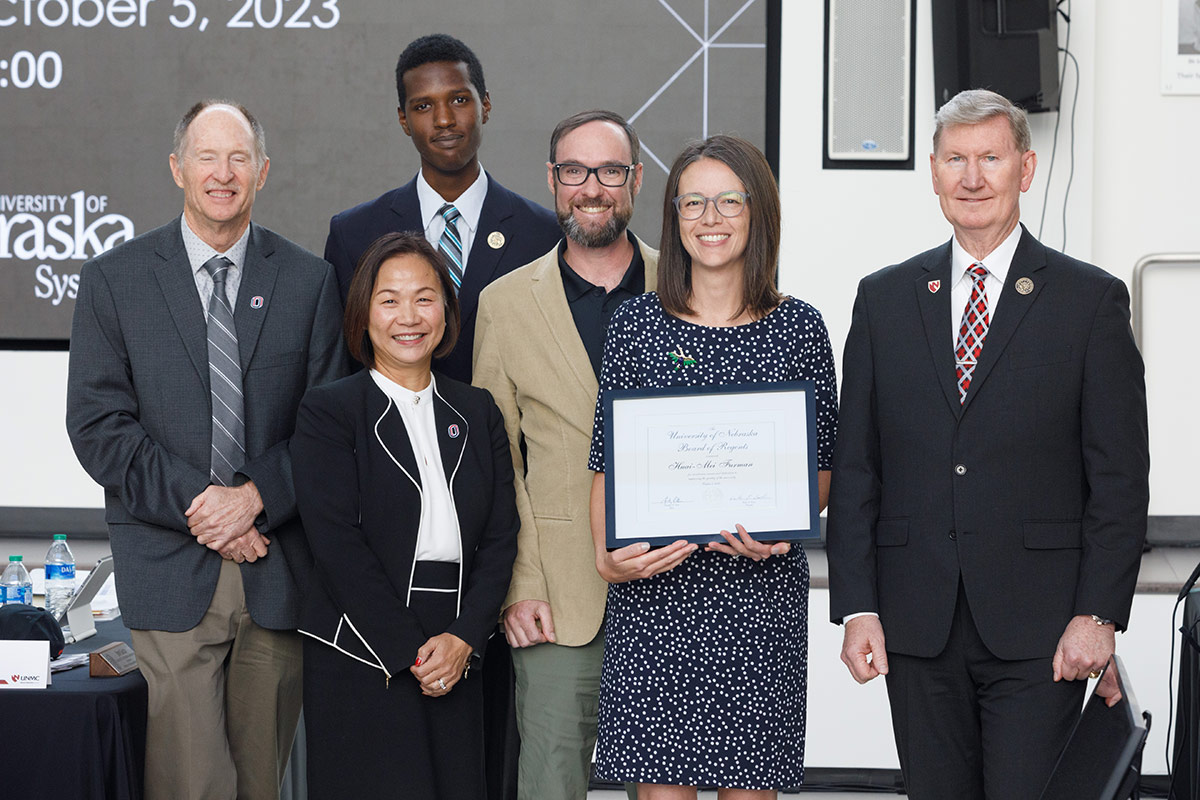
{"x": 438, "y": 534}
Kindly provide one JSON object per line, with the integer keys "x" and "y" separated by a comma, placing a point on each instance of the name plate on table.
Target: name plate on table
{"x": 24, "y": 664}
{"x": 112, "y": 661}
{"x": 686, "y": 463}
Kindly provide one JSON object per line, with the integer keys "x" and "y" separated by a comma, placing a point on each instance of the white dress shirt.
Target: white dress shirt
{"x": 469, "y": 205}
{"x": 198, "y": 253}
{"x": 437, "y": 534}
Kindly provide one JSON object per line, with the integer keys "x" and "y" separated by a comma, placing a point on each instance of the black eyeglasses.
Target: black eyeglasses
{"x": 727, "y": 204}
{"x": 611, "y": 175}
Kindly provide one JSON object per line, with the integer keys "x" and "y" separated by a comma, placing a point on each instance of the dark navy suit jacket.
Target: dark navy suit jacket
{"x": 1033, "y": 492}
{"x": 528, "y": 231}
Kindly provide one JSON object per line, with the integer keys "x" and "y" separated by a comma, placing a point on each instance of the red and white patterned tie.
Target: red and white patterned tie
{"x": 972, "y": 331}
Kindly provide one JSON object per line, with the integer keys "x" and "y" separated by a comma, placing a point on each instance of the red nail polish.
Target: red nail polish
{"x": 418, "y": 661}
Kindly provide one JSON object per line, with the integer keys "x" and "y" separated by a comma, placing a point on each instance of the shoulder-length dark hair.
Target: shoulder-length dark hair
{"x": 759, "y": 292}
{"x": 362, "y": 287}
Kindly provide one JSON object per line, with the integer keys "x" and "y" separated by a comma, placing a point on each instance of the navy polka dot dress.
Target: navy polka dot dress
{"x": 704, "y": 677}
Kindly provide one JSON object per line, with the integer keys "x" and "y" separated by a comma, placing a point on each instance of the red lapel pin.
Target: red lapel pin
{"x": 934, "y": 286}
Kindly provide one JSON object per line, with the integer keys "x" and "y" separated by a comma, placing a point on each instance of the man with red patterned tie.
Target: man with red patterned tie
{"x": 990, "y": 481}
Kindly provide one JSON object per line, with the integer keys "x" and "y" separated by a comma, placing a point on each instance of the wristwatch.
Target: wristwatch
{"x": 1102, "y": 620}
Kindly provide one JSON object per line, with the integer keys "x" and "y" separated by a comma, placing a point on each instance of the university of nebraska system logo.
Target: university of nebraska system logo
{"x": 39, "y": 230}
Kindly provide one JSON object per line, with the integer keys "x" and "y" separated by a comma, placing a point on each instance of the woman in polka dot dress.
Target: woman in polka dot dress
{"x": 705, "y": 655}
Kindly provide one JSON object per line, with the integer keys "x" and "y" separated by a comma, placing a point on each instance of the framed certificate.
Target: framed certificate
{"x": 688, "y": 462}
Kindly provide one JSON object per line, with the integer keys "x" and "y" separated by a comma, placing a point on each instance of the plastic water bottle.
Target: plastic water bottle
{"x": 60, "y": 575}
{"x": 15, "y": 585}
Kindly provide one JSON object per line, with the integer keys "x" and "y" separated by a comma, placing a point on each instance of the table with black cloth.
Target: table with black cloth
{"x": 81, "y": 737}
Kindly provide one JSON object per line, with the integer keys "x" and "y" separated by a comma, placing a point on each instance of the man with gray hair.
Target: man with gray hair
{"x": 537, "y": 350}
{"x": 191, "y": 347}
{"x": 990, "y": 481}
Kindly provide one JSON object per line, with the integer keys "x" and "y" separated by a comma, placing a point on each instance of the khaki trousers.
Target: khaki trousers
{"x": 223, "y": 705}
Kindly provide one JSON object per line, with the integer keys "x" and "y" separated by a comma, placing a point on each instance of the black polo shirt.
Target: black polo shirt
{"x": 592, "y": 307}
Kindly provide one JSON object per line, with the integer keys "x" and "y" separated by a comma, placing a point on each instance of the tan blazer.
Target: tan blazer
{"x": 528, "y": 354}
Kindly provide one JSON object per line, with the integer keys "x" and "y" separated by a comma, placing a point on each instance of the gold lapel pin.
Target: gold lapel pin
{"x": 1024, "y": 285}
{"x": 495, "y": 240}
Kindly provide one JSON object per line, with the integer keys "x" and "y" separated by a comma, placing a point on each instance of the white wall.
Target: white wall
{"x": 1147, "y": 182}
{"x": 1134, "y": 192}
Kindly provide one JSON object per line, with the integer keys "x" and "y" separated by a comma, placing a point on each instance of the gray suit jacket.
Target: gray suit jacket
{"x": 139, "y": 416}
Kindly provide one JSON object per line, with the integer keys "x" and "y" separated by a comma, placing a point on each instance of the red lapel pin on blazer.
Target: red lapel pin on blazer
{"x": 934, "y": 286}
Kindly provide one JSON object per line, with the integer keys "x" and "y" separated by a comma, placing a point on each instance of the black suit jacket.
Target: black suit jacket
{"x": 358, "y": 489}
{"x": 140, "y": 419}
{"x": 528, "y": 230}
{"x": 1034, "y": 492}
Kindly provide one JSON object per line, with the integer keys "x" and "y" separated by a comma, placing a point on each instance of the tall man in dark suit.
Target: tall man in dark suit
{"x": 990, "y": 491}
{"x": 483, "y": 229}
{"x": 190, "y": 350}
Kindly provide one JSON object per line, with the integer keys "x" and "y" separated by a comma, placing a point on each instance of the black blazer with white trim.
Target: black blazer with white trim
{"x": 359, "y": 494}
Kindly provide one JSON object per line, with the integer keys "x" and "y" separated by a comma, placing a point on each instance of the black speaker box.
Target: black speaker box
{"x": 1008, "y": 46}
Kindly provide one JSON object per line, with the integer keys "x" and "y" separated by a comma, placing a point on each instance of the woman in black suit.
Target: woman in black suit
{"x": 404, "y": 483}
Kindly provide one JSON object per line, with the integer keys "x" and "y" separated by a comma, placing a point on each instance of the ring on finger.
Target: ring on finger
{"x": 1094, "y": 674}
{"x": 441, "y": 684}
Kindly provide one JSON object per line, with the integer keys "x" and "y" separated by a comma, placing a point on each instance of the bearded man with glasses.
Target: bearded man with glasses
{"x": 540, "y": 337}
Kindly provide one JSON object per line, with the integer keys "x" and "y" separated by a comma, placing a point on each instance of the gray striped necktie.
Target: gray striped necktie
{"x": 450, "y": 244}
{"x": 225, "y": 377}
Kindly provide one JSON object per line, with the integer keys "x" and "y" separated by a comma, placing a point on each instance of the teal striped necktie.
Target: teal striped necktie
{"x": 450, "y": 244}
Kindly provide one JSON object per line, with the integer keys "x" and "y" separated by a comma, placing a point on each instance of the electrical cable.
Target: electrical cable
{"x": 1071, "y": 173}
{"x": 1062, "y": 75}
{"x": 1171, "y": 698}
